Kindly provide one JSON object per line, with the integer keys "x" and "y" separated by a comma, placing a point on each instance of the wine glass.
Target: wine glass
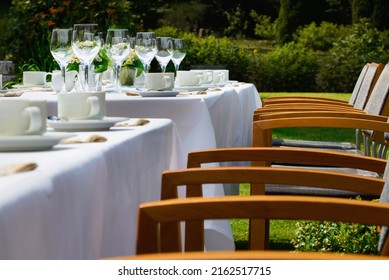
{"x": 118, "y": 47}
{"x": 179, "y": 52}
{"x": 86, "y": 44}
{"x": 164, "y": 51}
{"x": 145, "y": 49}
{"x": 145, "y": 35}
{"x": 61, "y": 49}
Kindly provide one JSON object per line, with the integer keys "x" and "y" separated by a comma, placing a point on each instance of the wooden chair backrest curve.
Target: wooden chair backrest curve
{"x": 195, "y": 178}
{"x": 153, "y": 214}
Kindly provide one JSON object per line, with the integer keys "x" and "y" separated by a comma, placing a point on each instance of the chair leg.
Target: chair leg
{"x": 367, "y": 146}
{"x": 358, "y": 139}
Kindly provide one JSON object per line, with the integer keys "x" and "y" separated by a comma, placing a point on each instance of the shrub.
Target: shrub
{"x": 32, "y": 22}
{"x": 336, "y": 237}
{"x": 216, "y": 51}
{"x": 341, "y": 66}
{"x": 323, "y": 236}
{"x": 287, "y": 68}
{"x": 264, "y": 27}
{"x": 319, "y": 38}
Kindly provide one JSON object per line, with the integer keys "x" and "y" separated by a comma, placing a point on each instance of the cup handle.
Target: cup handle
{"x": 200, "y": 80}
{"x": 35, "y": 117}
{"x": 167, "y": 82}
{"x": 48, "y": 74}
{"x": 94, "y": 104}
{"x": 209, "y": 77}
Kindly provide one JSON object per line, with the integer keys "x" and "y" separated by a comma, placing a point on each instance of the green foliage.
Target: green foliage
{"x": 237, "y": 26}
{"x": 319, "y": 37}
{"x": 31, "y": 23}
{"x": 186, "y": 15}
{"x": 340, "y": 68}
{"x": 264, "y": 27}
{"x": 324, "y": 236}
{"x": 287, "y": 68}
{"x": 361, "y": 9}
{"x": 336, "y": 237}
{"x": 216, "y": 51}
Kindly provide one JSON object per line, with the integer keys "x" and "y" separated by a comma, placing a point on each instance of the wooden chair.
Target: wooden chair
{"x": 377, "y": 107}
{"x": 359, "y": 96}
{"x": 292, "y": 157}
{"x": 248, "y": 255}
{"x": 196, "y": 178}
{"x": 351, "y": 102}
{"x": 154, "y": 214}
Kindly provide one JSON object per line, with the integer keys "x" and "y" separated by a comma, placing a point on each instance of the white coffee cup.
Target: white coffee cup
{"x": 35, "y": 78}
{"x": 188, "y": 78}
{"x": 57, "y": 80}
{"x": 159, "y": 81}
{"x": 81, "y": 105}
{"x": 22, "y": 117}
{"x": 207, "y": 75}
{"x": 220, "y": 76}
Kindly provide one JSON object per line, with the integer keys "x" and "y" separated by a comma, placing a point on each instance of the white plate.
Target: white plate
{"x": 85, "y": 125}
{"x": 31, "y": 86}
{"x": 32, "y": 142}
{"x": 195, "y": 88}
{"x": 157, "y": 93}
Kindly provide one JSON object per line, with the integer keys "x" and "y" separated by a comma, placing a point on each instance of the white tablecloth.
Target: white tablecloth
{"x": 81, "y": 202}
{"x": 218, "y": 119}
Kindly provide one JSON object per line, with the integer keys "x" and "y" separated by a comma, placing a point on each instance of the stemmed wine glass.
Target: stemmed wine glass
{"x": 179, "y": 52}
{"x": 145, "y": 49}
{"x": 86, "y": 44}
{"x": 117, "y": 45}
{"x": 164, "y": 51}
{"x": 61, "y": 49}
{"x": 145, "y": 35}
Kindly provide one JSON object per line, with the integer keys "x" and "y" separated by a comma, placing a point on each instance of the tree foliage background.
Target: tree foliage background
{"x": 306, "y": 37}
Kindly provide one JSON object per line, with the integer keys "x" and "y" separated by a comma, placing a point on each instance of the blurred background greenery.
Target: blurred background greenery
{"x": 279, "y": 45}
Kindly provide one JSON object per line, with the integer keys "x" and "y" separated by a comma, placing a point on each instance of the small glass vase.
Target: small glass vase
{"x": 128, "y": 76}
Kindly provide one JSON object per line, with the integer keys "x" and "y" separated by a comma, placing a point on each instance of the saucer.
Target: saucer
{"x": 24, "y": 143}
{"x": 85, "y": 125}
{"x": 192, "y": 88}
{"x": 157, "y": 93}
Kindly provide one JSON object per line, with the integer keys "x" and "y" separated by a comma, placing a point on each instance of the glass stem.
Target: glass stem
{"x": 117, "y": 68}
{"x": 63, "y": 72}
{"x": 86, "y": 73}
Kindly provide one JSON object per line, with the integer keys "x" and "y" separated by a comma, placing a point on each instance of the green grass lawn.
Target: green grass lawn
{"x": 281, "y": 231}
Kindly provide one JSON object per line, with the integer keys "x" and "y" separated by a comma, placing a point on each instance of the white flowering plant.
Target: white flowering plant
{"x": 101, "y": 62}
{"x": 133, "y": 61}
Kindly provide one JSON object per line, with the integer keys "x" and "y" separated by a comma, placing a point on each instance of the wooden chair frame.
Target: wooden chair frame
{"x": 153, "y": 214}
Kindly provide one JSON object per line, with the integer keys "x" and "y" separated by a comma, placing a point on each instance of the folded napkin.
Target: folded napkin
{"x": 8, "y": 169}
{"x": 91, "y": 139}
{"x": 10, "y": 94}
{"x": 201, "y": 92}
{"x": 132, "y": 122}
{"x": 132, "y": 93}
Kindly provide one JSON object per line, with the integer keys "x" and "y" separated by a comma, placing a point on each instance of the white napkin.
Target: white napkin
{"x": 91, "y": 139}
{"x": 132, "y": 122}
{"x": 8, "y": 169}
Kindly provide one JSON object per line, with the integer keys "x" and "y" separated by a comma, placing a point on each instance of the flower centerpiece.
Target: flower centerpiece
{"x": 100, "y": 63}
{"x": 132, "y": 67}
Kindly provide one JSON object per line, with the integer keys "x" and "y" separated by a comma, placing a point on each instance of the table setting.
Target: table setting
{"x": 125, "y": 134}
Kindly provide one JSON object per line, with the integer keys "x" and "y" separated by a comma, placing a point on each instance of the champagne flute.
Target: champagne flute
{"x": 145, "y": 49}
{"x": 86, "y": 45}
{"x": 164, "y": 51}
{"x": 179, "y": 52}
{"x": 61, "y": 50}
{"x": 118, "y": 47}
